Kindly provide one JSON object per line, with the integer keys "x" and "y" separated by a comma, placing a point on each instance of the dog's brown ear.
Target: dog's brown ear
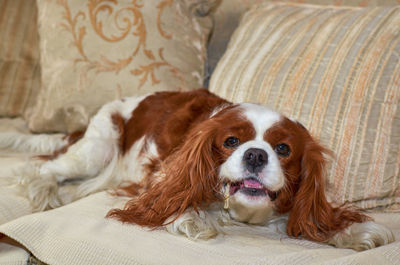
{"x": 189, "y": 180}
{"x": 312, "y": 216}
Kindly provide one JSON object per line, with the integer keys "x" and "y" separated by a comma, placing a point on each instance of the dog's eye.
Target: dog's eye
{"x": 231, "y": 142}
{"x": 282, "y": 150}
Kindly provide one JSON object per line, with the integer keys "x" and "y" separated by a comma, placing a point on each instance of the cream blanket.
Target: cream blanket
{"x": 78, "y": 233}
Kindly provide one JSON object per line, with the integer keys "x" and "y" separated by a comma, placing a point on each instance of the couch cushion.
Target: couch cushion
{"x": 336, "y": 70}
{"x": 12, "y": 255}
{"x": 95, "y": 51}
{"x": 12, "y": 204}
{"x": 227, "y": 15}
{"x": 78, "y": 233}
{"x": 19, "y": 57}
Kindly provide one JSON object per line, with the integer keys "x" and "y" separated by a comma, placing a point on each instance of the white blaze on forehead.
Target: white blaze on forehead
{"x": 261, "y": 117}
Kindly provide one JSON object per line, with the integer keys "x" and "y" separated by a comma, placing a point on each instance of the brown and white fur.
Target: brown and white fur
{"x": 194, "y": 162}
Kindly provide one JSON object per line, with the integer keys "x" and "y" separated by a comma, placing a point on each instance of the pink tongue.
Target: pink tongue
{"x": 252, "y": 183}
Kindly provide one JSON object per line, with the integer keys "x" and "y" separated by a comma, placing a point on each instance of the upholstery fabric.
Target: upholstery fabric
{"x": 19, "y": 57}
{"x": 337, "y": 71}
{"x": 93, "y": 52}
{"x": 12, "y": 204}
{"x": 227, "y": 14}
{"x": 78, "y": 233}
{"x": 12, "y": 255}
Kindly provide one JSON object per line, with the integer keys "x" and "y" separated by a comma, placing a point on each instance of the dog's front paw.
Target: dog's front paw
{"x": 363, "y": 236}
{"x": 194, "y": 226}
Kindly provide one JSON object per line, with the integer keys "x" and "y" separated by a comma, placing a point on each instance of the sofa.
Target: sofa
{"x": 333, "y": 65}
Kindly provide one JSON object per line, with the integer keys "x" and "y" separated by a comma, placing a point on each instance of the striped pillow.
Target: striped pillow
{"x": 19, "y": 56}
{"x": 336, "y": 70}
{"x": 226, "y": 15}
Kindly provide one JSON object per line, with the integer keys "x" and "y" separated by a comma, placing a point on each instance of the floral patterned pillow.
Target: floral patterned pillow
{"x": 95, "y": 51}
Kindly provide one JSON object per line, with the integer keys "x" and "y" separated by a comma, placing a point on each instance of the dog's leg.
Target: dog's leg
{"x": 91, "y": 161}
{"x": 202, "y": 225}
{"x": 42, "y": 144}
{"x": 362, "y": 236}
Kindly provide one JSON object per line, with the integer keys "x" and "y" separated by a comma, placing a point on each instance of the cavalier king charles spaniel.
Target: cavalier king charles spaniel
{"x": 194, "y": 163}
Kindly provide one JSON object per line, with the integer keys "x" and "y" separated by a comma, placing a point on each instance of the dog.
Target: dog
{"x": 194, "y": 162}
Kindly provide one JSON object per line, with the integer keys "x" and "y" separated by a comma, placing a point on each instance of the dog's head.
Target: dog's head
{"x": 262, "y": 166}
{"x": 260, "y": 162}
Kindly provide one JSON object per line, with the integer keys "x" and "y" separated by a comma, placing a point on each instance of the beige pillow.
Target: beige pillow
{"x": 335, "y": 69}
{"x": 226, "y": 17}
{"x": 93, "y": 52}
{"x": 19, "y": 56}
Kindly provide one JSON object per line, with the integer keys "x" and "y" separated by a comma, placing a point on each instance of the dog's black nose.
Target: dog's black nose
{"x": 255, "y": 159}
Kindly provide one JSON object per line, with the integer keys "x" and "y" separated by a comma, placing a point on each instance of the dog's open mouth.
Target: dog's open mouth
{"x": 251, "y": 187}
